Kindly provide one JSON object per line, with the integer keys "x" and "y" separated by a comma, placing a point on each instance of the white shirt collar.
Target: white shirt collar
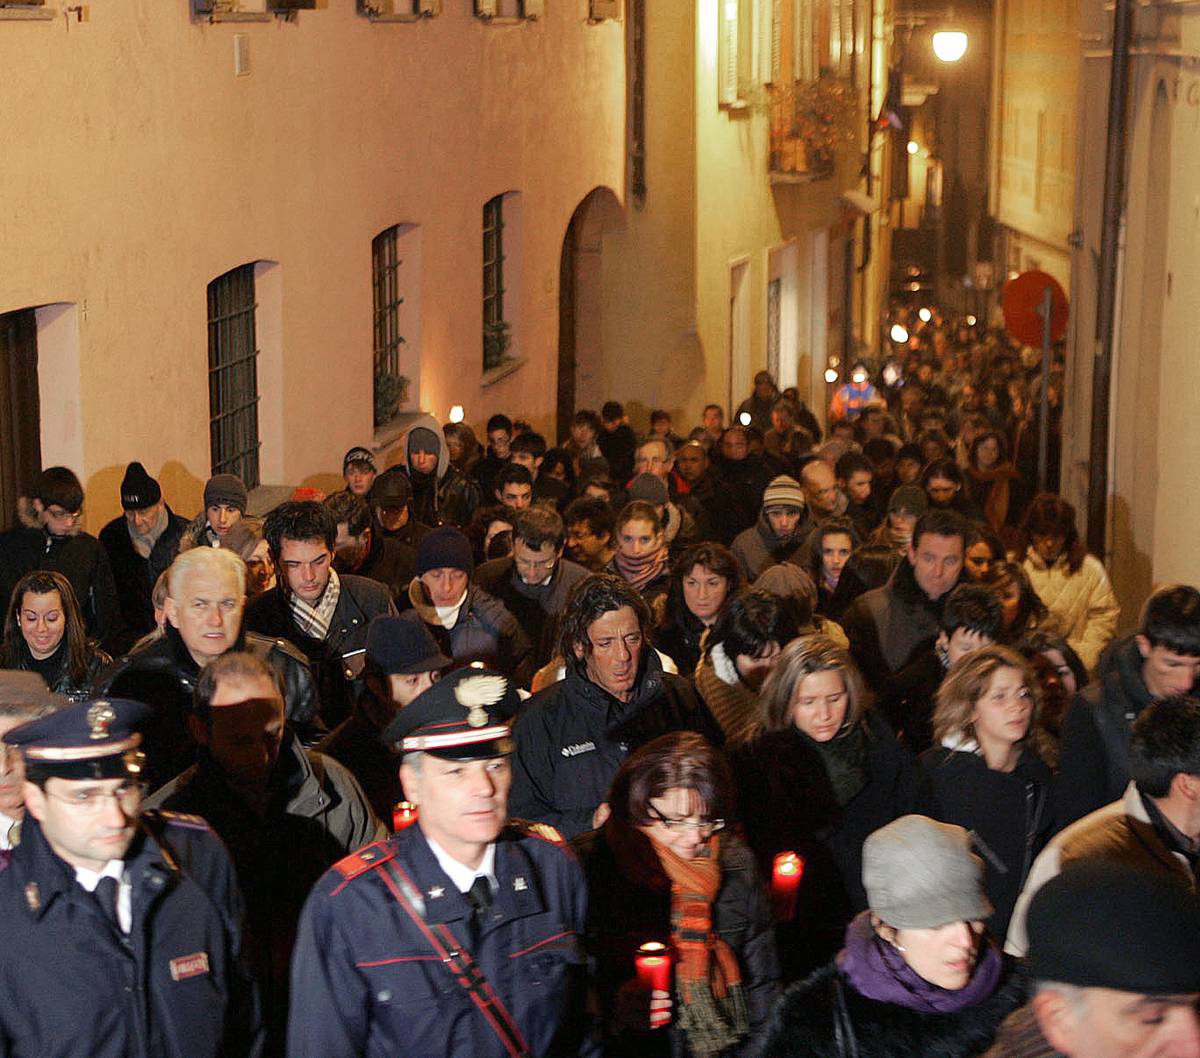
{"x": 6, "y": 822}
{"x": 461, "y": 875}
{"x": 89, "y": 879}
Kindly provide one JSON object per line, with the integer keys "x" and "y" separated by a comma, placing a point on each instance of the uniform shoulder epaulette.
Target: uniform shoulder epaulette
{"x": 365, "y": 859}
{"x": 184, "y": 819}
{"x": 529, "y": 829}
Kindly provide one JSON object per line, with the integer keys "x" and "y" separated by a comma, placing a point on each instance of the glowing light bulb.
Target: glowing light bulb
{"x": 913, "y": 146}
{"x": 950, "y": 45}
{"x": 971, "y": 321}
{"x": 898, "y": 333}
{"x": 925, "y": 315}
{"x": 456, "y": 413}
{"x": 831, "y": 374}
{"x": 744, "y": 418}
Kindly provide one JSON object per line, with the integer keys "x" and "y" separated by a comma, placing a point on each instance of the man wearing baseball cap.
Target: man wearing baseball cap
{"x": 1114, "y": 952}
{"x": 122, "y": 933}
{"x": 460, "y": 935}
{"x": 359, "y": 470}
{"x": 403, "y": 661}
{"x": 141, "y": 544}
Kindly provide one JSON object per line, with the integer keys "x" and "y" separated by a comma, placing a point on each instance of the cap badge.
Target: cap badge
{"x": 99, "y": 718}
{"x": 475, "y": 692}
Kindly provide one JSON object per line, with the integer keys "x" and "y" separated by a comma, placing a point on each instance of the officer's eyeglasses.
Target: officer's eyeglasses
{"x": 704, "y": 827}
{"x": 90, "y": 800}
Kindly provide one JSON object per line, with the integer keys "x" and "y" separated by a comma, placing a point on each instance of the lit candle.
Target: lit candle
{"x": 787, "y": 871}
{"x": 653, "y": 962}
{"x": 403, "y": 815}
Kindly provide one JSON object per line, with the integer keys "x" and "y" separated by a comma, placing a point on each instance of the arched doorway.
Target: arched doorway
{"x": 580, "y": 295}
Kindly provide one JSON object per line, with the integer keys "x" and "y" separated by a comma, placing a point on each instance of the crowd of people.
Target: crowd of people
{"x": 763, "y": 737}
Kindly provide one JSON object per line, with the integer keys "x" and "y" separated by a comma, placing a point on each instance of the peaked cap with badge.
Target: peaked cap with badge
{"x": 95, "y": 739}
{"x": 459, "y": 718}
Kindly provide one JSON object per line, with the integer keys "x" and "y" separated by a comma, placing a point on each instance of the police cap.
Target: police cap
{"x": 461, "y": 717}
{"x": 95, "y": 739}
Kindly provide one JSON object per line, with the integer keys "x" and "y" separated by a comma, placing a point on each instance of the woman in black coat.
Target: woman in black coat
{"x": 825, "y": 772}
{"x": 918, "y": 975}
{"x": 703, "y": 579}
{"x": 987, "y": 774}
{"x": 665, "y": 868}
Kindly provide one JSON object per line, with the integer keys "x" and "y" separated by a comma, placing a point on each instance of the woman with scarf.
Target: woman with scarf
{"x": 665, "y": 868}
{"x": 917, "y": 975}
{"x": 987, "y": 770}
{"x": 830, "y": 546}
{"x": 703, "y": 580}
{"x": 824, "y": 772}
{"x": 642, "y": 552}
{"x": 994, "y": 484}
{"x": 44, "y": 633}
{"x": 781, "y": 532}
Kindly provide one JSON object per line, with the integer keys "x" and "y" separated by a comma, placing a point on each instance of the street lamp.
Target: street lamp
{"x": 950, "y": 45}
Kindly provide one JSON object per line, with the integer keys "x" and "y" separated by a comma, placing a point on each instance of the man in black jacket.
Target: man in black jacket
{"x": 535, "y": 582}
{"x": 57, "y": 543}
{"x": 363, "y": 550}
{"x": 1161, "y": 660}
{"x": 141, "y": 544}
{"x": 888, "y": 626}
{"x": 206, "y": 596}
{"x": 573, "y": 736}
{"x": 319, "y": 611}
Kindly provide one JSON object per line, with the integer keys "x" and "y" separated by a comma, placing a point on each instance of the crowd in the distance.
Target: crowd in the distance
{"x": 836, "y": 711}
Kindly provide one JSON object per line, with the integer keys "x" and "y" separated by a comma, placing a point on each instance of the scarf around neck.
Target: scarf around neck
{"x": 639, "y": 572}
{"x": 312, "y": 620}
{"x": 439, "y": 616}
{"x": 143, "y": 543}
{"x": 876, "y": 970}
{"x": 844, "y": 758}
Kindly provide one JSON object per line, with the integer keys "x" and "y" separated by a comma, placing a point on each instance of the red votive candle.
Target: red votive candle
{"x": 653, "y": 964}
{"x": 787, "y": 870}
{"x": 403, "y": 815}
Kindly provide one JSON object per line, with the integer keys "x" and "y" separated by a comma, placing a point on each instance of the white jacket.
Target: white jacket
{"x": 1083, "y": 608}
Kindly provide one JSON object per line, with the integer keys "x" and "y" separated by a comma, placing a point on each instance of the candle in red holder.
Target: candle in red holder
{"x": 653, "y": 962}
{"x": 786, "y": 873}
{"x": 403, "y": 815}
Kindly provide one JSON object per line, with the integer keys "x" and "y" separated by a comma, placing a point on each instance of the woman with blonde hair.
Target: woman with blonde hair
{"x": 987, "y": 772}
{"x": 824, "y": 772}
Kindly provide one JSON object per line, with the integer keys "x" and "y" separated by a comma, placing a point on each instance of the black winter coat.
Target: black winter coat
{"x": 623, "y": 914}
{"x": 573, "y": 736}
{"x": 333, "y": 658}
{"x": 390, "y": 562}
{"x": 787, "y": 804}
{"x": 135, "y": 576}
{"x": 805, "y": 1022}
{"x": 163, "y": 675}
{"x": 1008, "y": 813}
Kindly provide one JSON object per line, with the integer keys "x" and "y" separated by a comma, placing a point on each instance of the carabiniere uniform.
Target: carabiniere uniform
{"x": 75, "y": 983}
{"x": 393, "y": 959}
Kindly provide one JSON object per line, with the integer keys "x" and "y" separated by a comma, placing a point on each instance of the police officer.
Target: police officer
{"x": 459, "y": 936}
{"x": 121, "y": 932}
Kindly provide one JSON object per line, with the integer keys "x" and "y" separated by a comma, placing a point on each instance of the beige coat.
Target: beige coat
{"x": 1083, "y": 608}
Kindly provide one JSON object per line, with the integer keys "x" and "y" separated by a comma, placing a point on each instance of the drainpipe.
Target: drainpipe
{"x": 1106, "y": 294}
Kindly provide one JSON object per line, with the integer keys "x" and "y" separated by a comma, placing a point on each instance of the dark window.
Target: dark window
{"x": 495, "y": 327}
{"x": 385, "y": 282}
{"x": 20, "y": 419}
{"x": 233, "y": 375}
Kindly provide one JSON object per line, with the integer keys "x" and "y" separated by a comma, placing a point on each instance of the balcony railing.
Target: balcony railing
{"x": 809, "y": 122}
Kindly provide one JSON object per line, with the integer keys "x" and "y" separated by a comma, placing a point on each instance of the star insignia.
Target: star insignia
{"x": 519, "y": 884}
{"x": 436, "y": 892}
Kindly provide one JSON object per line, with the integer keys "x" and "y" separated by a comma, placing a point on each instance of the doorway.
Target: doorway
{"x": 20, "y": 423}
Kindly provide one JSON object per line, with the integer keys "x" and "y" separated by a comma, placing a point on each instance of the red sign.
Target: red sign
{"x": 1021, "y": 299}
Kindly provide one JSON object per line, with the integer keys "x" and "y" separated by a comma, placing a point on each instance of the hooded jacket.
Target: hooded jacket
{"x": 573, "y": 736}
{"x": 450, "y": 497}
{"x": 758, "y": 547}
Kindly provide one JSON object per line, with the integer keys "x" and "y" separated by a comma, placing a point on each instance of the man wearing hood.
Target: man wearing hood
{"x": 888, "y": 626}
{"x": 141, "y": 543}
{"x": 781, "y": 531}
{"x": 759, "y": 404}
{"x": 1161, "y": 660}
{"x": 573, "y": 736}
{"x": 441, "y": 493}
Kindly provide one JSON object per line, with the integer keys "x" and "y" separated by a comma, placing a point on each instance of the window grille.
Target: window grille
{"x": 233, "y": 375}
{"x": 495, "y": 327}
{"x": 385, "y": 283}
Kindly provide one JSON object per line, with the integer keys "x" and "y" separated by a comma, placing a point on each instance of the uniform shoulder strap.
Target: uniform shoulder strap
{"x": 368, "y": 858}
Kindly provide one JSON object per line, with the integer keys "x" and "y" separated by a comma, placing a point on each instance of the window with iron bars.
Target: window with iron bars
{"x": 495, "y": 326}
{"x": 233, "y": 375}
{"x": 385, "y": 285}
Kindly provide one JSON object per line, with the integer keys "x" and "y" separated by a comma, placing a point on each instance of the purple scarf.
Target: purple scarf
{"x": 876, "y": 970}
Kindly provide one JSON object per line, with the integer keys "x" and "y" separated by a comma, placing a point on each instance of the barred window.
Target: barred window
{"x": 495, "y": 326}
{"x": 233, "y": 375}
{"x": 385, "y": 285}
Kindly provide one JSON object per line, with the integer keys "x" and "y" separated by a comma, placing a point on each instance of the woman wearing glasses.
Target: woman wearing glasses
{"x": 665, "y": 869}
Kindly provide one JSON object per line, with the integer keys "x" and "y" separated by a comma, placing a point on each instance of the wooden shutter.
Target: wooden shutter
{"x": 727, "y": 51}
{"x": 20, "y": 416}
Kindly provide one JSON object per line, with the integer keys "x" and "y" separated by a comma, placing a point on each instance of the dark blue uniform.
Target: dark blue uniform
{"x": 74, "y": 986}
{"x": 366, "y": 981}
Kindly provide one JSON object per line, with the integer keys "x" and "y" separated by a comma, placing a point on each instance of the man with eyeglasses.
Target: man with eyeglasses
{"x": 52, "y": 538}
{"x": 122, "y": 932}
{"x": 533, "y": 584}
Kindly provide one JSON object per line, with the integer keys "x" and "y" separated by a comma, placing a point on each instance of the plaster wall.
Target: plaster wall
{"x": 137, "y": 167}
